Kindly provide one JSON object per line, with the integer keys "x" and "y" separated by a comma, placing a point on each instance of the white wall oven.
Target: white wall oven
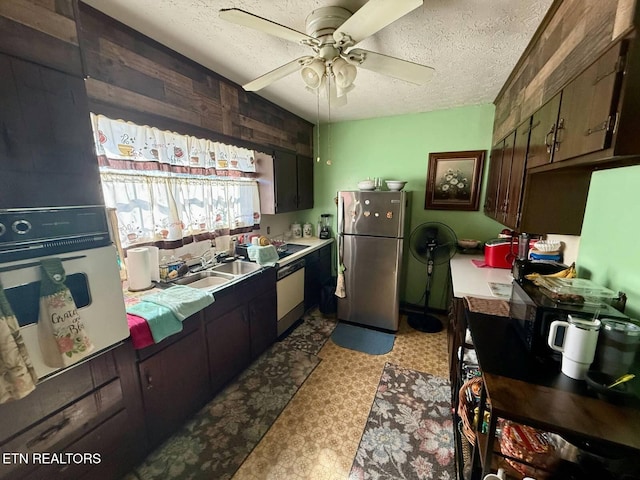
{"x": 80, "y": 238}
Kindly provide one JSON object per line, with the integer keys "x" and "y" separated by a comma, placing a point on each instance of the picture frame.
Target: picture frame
{"x": 454, "y": 180}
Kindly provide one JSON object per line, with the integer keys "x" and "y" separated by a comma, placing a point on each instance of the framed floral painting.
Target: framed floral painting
{"x": 454, "y": 180}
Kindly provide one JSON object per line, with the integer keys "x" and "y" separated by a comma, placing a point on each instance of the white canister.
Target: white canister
{"x": 296, "y": 230}
{"x": 307, "y": 230}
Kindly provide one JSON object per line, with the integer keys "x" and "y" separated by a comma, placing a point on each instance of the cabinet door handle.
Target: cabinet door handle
{"x": 598, "y": 128}
{"x": 558, "y": 134}
{"x": 49, "y": 432}
{"x": 549, "y": 143}
{"x": 149, "y": 379}
{"x": 618, "y": 67}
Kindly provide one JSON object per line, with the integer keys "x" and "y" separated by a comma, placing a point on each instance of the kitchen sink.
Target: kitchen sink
{"x": 205, "y": 280}
{"x": 236, "y": 268}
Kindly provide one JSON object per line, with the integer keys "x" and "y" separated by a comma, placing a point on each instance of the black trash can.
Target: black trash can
{"x": 328, "y": 301}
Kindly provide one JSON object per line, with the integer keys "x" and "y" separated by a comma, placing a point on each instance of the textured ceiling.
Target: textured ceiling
{"x": 472, "y": 44}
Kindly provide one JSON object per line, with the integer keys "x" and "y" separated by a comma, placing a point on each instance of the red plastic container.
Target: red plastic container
{"x": 500, "y": 252}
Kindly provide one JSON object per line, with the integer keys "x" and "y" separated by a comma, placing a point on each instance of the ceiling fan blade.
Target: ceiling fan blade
{"x": 277, "y": 74}
{"x": 240, "y": 17}
{"x": 372, "y": 17}
{"x": 394, "y": 67}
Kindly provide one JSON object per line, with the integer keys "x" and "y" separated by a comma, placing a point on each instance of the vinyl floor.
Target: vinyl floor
{"x": 317, "y": 435}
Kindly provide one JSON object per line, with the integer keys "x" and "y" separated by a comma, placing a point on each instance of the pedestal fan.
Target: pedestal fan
{"x": 432, "y": 243}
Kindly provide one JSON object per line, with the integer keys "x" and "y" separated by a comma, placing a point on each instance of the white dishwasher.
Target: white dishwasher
{"x": 290, "y": 293}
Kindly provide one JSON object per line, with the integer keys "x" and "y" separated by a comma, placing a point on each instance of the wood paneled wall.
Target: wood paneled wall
{"x": 134, "y": 77}
{"x": 42, "y": 31}
{"x": 129, "y": 72}
{"x": 572, "y": 36}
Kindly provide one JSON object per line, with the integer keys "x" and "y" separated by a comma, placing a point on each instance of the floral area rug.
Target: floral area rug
{"x": 409, "y": 431}
{"x": 215, "y": 442}
{"x": 311, "y": 335}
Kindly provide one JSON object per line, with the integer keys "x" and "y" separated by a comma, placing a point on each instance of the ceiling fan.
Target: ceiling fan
{"x": 332, "y": 33}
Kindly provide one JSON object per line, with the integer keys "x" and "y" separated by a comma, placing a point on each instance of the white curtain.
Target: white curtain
{"x": 165, "y": 197}
{"x": 156, "y": 208}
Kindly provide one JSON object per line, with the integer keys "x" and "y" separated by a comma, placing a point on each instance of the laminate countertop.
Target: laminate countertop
{"x": 312, "y": 244}
{"x": 468, "y": 280}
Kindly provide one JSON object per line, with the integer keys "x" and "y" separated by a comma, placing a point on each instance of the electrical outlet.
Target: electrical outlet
{"x": 268, "y": 230}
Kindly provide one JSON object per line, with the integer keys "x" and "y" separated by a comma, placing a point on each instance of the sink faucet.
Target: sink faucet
{"x": 208, "y": 258}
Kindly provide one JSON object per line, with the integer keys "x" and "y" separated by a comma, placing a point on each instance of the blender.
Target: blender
{"x": 519, "y": 266}
{"x": 323, "y": 226}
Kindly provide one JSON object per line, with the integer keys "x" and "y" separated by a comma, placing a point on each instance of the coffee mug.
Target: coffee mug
{"x": 578, "y": 345}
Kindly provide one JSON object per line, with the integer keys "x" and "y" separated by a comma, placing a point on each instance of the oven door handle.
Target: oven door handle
{"x": 35, "y": 264}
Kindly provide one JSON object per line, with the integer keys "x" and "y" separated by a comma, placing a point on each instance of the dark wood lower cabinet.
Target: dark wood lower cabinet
{"x": 175, "y": 383}
{"x": 264, "y": 331}
{"x": 228, "y": 343}
{"x": 239, "y": 326}
{"x": 94, "y": 408}
{"x": 317, "y": 272}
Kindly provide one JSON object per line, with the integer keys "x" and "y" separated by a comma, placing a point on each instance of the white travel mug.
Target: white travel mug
{"x": 578, "y": 345}
{"x": 495, "y": 476}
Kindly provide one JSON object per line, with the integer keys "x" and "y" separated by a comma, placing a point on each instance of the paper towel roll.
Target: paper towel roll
{"x": 154, "y": 263}
{"x": 139, "y": 269}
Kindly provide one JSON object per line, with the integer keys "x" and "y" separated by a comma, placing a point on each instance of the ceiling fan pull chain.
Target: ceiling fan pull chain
{"x": 318, "y": 125}
{"x": 329, "y": 119}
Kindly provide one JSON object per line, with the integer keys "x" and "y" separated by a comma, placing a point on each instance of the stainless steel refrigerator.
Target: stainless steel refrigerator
{"x": 371, "y": 230}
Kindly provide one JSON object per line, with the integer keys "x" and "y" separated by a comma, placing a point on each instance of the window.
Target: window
{"x": 170, "y": 189}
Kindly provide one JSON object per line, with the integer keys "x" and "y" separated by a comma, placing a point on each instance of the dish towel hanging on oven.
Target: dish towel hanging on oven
{"x": 62, "y": 335}
{"x": 17, "y": 376}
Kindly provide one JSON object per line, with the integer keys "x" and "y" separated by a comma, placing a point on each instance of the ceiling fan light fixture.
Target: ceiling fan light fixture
{"x": 345, "y": 74}
{"x": 313, "y": 74}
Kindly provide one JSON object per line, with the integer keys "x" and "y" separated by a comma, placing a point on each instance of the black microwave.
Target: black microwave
{"x": 532, "y": 313}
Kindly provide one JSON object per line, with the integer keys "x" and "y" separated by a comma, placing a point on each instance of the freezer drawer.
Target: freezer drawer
{"x": 371, "y": 281}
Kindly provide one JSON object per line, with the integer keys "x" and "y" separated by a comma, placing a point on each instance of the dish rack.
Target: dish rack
{"x": 280, "y": 243}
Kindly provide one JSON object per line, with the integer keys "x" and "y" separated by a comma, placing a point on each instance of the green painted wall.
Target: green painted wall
{"x": 609, "y": 252}
{"x": 398, "y": 148}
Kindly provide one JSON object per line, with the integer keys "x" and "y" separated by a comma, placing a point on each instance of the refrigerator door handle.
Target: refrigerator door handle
{"x": 340, "y": 213}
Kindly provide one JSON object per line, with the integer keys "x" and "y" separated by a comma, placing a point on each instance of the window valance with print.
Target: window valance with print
{"x": 126, "y": 146}
{"x": 169, "y": 189}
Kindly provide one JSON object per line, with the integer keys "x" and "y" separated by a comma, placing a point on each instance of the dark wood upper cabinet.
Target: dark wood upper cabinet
{"x": 543, "y": 133}
{"x": 588, "y": 108}
{"x": 517, "y": 175}
{"x": 590, "y": 123}
{"x": 505, "y": 177}
{"x": 493, "y": 180}
{"x": 285, "y": 181}
{"x": 47, "y": 156}
{"x": 305, "y": 182}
